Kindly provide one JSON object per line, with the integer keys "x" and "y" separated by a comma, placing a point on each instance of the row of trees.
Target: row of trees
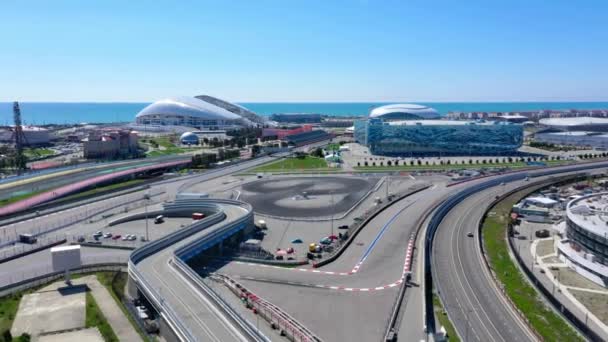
{"x": 205, "y": 160}
{"x": 504, "y": 160}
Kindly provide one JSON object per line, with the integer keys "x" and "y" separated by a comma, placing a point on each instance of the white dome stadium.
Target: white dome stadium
{"x": 404, "y": 111}
{"x": 200, "y": 112}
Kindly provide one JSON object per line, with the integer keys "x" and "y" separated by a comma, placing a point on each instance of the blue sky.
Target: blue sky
{"x": 296, "y": 50}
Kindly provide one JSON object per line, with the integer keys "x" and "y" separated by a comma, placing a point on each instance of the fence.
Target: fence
{"x": 275, "y": 316}
{"x": 48, "y": 225}
{"x": 47, "y": 275}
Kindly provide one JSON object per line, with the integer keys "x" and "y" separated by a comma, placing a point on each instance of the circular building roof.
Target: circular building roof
{"x": 572, "y": 122}
{"x": 188, "y": 137}
{"x": 188, "y": 106}
{"x": 404, "y": 111}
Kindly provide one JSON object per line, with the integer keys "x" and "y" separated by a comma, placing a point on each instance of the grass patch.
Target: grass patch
{"x": 95, "y": 318}
{"x": 443, "y": 318}
{"x": 20, "y": 197}
{"x": 333, "y": 147}
{"x": 8, "y": 309}
{"x": 306, "y": 163}
{"x": 37, "y": 152}
{"x": 116, "y": 186}
{"x": 543, "y": 319}
{"x": 117, "y": 292}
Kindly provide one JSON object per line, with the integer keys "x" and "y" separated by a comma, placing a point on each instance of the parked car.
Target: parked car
{"x": 98, "y": 234}
{"x": 107, "y": 235}
{"x": 116, "y": 237}
{"x": 159, "y": 219}
{"x": 81, "y": 239}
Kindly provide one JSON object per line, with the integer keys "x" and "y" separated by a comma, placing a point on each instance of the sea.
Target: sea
{"x": 41, "y": 113}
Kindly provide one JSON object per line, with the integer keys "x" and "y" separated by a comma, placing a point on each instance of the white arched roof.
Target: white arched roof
{"x": 423, "y": 112}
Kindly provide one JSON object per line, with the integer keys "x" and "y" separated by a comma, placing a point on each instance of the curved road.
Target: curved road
{"x": 475, "y": 306}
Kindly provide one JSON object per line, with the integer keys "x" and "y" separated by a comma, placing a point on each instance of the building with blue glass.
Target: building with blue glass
{"x": 390, "y": 135}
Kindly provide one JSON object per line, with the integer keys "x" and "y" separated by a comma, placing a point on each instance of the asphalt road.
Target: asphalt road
{"x": 360, "y": 308}
{"x": 469, "y": 294}
{"x": 463, "y": 282}
{"x": 275, "y": 196}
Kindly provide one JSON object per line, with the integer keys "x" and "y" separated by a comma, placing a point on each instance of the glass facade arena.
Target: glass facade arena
{"x": 438, "y": 137}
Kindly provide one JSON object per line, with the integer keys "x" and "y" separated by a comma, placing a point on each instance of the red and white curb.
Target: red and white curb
{"x": 406, "y": 269}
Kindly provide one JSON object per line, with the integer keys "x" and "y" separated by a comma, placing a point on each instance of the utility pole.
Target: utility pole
{"x": 333, "y": 205}
{"x": 146, "y": 198}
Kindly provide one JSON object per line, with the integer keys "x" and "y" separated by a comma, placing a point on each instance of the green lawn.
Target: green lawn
{"x": 542, "y": 318}
{"x": 116, "y": 186}
{"x": 117, "y": 292}
{"x": 37, "y": 152}
{"x": 95, "y": 318}
{"x": 333, "y": 147}
{"x": 20, "y": 197}
{"x": 444, "y": 321}
{"x": 8, "y": 310}
{"x": 291, "y": 164}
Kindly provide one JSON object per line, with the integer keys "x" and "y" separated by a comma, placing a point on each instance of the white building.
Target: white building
{"x": 586, "y": 247}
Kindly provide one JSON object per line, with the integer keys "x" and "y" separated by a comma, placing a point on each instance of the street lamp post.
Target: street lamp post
{"x": 333, "y": 208}
{"x": 146, "y": 198}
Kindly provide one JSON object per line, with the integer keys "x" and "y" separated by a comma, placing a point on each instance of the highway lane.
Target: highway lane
{"x": 54, "y": 180}
{"x": 475, "y": 307}
{"x": 474, "y": 304}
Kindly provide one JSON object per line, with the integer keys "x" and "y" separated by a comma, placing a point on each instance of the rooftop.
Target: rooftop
{"x": 576, "y": 121}
{"x": 441, "y": 123}
{"x": 590, "y": 212}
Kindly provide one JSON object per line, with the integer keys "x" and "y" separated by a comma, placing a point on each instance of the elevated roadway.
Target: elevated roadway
{"x": 178, "y": 296}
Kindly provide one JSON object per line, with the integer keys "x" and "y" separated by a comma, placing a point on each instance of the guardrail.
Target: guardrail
{"x": 46, "y": 278}
{"x": 338, "y": 251}
{"x": 547, "y": 293}
{"x": 452, "y": 201}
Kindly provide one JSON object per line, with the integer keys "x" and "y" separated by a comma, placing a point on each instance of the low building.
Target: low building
{"x": 307, "y": 137}
{"x": 34, "y": 136}
{"x": 109, "y": 144}
{"x": 586, "y": 246}
{"x": 542, "y": 202}
{"x": 297, "y": 118}
{"x": 281, "y": 133}
{"x": 573, "y": 124}
{"x": 189, "y": 138}
{"x": 574, "y": 138}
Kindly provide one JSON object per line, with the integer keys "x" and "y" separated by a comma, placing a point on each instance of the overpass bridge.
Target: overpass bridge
{"x": 189, "y": 310}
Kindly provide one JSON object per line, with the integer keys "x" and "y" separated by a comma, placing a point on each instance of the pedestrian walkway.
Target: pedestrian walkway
{"x": 116, "y": 318}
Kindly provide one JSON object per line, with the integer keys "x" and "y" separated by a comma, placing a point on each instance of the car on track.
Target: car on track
{"x": 470, "y": 234}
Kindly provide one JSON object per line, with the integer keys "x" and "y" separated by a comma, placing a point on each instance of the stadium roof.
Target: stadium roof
{"x": 443, "y": 123}
{"x": 188, "y": 106}
{"x": 414, "y": 110}
{"x": 576, "y": 121}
